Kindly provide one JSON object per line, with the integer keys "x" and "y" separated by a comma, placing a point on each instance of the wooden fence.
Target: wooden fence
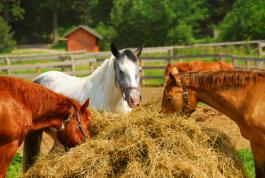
{"x": 238, "y": 62}
{"x": 82, "y": 63}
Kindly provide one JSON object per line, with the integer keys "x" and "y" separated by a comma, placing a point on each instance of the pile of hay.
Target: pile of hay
{"x": 144, "y": 144}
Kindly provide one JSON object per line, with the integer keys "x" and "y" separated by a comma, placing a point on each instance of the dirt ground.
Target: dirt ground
{"x": 204, "y": 114}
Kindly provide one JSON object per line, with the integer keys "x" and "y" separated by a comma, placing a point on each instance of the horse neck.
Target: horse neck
{"x": 52, "y": 105}
{"x": 101, "y": 86}
{"x": 227, "y": 101}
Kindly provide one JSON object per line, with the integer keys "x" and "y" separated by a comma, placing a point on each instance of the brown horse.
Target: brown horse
{"x": 238, "y": 94}
{"x": 27, "y": 107}
{"x": 195, "y": 66}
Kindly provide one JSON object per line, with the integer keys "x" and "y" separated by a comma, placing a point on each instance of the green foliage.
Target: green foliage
{"x": 6, "y": 41}
{"x": 130, "y": 23}
{"x": 109, "y": 34}
{"x": 11, "y": 10}
{"x": 15, "y": 168}
{"x": 248, "y": 162}
{"x": 182, "y": 34}
{"x": 245, "y": 21}
{"x": 140, "y": 21}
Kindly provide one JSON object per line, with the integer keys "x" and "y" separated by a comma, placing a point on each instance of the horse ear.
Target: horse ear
{"x": 85, "y": 105}
{"x": 172, "y": 77}
{"x": 174, "y": 70}
{"x": 138, "y": 51}
{"x": 114, "y": 50}
{"x": 168, "y": 65}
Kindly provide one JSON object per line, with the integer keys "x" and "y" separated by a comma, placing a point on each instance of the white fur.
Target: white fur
{"x": 99, "y": 86}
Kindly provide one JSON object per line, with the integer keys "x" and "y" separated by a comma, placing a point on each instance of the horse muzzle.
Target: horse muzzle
{"x": 134, "y": 101}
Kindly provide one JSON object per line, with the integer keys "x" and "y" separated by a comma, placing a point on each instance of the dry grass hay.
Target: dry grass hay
{"x": 144, "y": 144}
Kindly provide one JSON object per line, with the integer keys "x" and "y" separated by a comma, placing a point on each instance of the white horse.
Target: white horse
{"x": 114, "y": 86}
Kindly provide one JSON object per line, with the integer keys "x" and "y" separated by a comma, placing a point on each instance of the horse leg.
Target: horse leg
{"x": 259, "y": 157}
{"x": 52, "y": 133}
{"x": 31, "y": 149}
{"x": 7, "y": 153}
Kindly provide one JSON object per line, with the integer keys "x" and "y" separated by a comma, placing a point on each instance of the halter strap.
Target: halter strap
{"x": 185, "y": 95}
{"x": 79, "y": 126}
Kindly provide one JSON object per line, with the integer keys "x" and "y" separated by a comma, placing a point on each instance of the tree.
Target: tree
{"x": 151, "y": 22}
{"x": 11, "y": 10}
{"x": 139, "y": 22}
{"x": 182, "y": 34}
{"x": 215, "y": 12}
{"x": 6, "y": 41}
{"x": 245, "y": 21}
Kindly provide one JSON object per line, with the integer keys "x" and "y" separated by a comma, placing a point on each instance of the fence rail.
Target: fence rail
{"x": 83, "y": 63}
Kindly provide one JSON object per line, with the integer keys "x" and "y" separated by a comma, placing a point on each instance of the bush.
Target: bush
{"x": 6, "y": 41}
{"x": 182, "y": 34}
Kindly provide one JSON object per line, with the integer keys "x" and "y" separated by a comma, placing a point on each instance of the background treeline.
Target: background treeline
{"x": 132, "y": 22}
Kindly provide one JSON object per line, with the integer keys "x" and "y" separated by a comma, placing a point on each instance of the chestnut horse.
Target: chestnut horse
{"x": 238, "y": 94}
{"x": 195, "y": 66}
{"x": 27, "y": 107}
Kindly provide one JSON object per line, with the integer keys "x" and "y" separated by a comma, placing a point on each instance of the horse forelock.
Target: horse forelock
{"x": 130, "y": 55}
{"x": 222, "y": 79}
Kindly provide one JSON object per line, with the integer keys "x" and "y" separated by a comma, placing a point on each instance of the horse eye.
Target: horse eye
{"x": 121, "y": 72}
{"x": 169, "y": 98}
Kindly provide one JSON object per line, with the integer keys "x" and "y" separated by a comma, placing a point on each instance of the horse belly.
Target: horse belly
{"x": 14, "y": 121}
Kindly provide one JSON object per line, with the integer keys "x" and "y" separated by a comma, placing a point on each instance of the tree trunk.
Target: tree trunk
{"x": 55, "y": 25}
{"x": 6, "y": 11}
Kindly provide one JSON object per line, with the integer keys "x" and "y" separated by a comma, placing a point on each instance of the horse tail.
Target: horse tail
{"x": 31, "y": 149}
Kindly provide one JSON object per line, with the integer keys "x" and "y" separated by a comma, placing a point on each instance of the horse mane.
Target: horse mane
{"x": 34, "y": 95}
{"x": 222, "y": 79}
{"x": 102, "y": 68}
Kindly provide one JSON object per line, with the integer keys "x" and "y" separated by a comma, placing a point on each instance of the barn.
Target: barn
{"x": 82, "y": 38}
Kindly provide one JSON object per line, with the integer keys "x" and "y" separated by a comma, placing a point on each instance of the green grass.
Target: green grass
{"x": 15, "y": 168}
{"x": 61, "y": 45}
{"x": 248, "y": 162}
{"x": 242, "y": 50}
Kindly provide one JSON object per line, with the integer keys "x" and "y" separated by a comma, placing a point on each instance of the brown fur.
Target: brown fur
{"x": 238, "y": 94}
{"x": 27, "y": 107}
{"x": 196, "y": 66}
{"x": 222, "y": 79}
{"x": 36, "y": 97}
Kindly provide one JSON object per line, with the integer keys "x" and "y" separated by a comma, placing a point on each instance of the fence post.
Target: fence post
{"x": 72, "y": 65}
{"x": 8, "y": 64}
{"x": 38, "y": 70}
{"x": 171, "y": 55}
{"x": 234, "y": 61}
{"x": 260, "y": 49}
{"x": 247, "y": 64}
{"x": 92, "y": 63}
{"x": 259, "y": 64}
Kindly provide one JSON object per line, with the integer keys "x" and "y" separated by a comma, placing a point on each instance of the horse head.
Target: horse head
{"x": 75, "y": 128}
{"x": 177, "y": 97}
{"x": 128, "y": 74}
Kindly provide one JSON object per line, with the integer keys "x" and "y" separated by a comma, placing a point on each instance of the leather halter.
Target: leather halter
{"x": 123, "y": 89}
{"x": 78, "y": 125}
{"x": 185, "y": 95}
